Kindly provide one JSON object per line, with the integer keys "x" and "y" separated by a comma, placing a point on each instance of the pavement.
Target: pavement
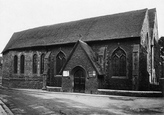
{"x": 4, "y": 110}
{"x": 41, "y": 102}
{"x": 98, "y": 104}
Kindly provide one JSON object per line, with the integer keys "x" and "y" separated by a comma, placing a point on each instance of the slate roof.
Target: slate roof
{"x": 151, "y": 13}
{"x": 116, "y": 26}
{"x": 89, "y": 53}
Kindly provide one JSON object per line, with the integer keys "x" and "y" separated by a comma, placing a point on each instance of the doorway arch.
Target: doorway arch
{"x": 79, "y": 76}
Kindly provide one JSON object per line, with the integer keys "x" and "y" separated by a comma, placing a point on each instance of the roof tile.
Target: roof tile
{"x": 107, "y": 27}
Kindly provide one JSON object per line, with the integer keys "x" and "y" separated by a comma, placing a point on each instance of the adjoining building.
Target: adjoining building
{"x": 118, "y": 51}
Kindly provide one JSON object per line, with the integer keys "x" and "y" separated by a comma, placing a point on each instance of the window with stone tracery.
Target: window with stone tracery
{"x": 119, "y": 62}
{"x": 60, "y": 61}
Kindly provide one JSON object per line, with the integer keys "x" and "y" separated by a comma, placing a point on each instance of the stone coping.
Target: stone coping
{"x": 130, "y": 93}
{"x": 109, "y": 90}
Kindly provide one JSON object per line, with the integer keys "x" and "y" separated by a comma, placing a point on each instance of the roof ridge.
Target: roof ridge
{"x": 107, "y": 27}
{"x": 153, "y": 9}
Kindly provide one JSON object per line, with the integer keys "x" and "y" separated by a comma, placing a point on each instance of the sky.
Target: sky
{"x": 18, "y": 15}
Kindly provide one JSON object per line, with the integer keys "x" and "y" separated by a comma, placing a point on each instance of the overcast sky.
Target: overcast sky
{"x": 18, "y": 15}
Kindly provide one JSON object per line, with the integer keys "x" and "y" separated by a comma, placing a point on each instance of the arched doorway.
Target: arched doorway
{"x": 79, "y": 79}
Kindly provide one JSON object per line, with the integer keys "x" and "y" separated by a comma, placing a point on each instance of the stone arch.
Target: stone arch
{"x": 60, "y": 61}
{"x": 79, "y": 79}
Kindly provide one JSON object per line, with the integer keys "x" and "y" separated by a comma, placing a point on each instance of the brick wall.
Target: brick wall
{"x": 79, "y": 58}
{"x": 27, "y": 79}
{"x": 143, "y": 73}
{"x": 107, "y": 81}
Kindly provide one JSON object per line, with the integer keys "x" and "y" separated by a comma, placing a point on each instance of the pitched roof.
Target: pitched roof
{"x": 89, "y": 53}
{"x": 151, "y": 13}
{"x": 116, "y": 26}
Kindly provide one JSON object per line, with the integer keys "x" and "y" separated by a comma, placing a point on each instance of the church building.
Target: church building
{"x": 118, "y": 51}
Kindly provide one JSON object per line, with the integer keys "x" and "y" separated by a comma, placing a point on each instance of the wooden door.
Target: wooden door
{"x": 79, "y": 81}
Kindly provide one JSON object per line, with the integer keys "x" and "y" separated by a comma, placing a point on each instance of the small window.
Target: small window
{"x": 119, "y": 62}
{"x": 34, "y": 64}
{"x": 22, "y": 64}
{"x": 42, "y": 63}
{"x": 60, "y": 61}
{"x": 15, "y": 64}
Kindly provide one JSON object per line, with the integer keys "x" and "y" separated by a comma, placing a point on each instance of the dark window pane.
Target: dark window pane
{"x": 60, "y": 61}
{"x": 42, "y": 64}
{"x": 115, "y": 64}
{"x": 122, "y": 65}
{"x": 119, "y": 62}
{"x": 15, "y": 64}
{"x": 22, "y": 64}
{"x": 35, "y": 64}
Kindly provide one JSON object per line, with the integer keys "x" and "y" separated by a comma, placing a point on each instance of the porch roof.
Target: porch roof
{"x": 89, "y": 53}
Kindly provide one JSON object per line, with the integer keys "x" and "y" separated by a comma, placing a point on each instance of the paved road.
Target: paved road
{"x": 38, "y": 102}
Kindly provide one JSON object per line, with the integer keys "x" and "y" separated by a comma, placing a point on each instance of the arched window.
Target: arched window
{"x": 60, "y": 61}
{"x": 34, "y": 64}
{"x": 42, "y": 63}
{"x": 22, "y": 64}
{"x": 119, "y": 62}
{"x": 15, "y": 64}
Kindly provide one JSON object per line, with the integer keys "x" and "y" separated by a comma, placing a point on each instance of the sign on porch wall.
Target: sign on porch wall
{"x": 92, "y": 73}
{"x": 65, "y": 73}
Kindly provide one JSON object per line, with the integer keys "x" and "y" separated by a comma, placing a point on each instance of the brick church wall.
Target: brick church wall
{"x": 22, "y": 80}
{"x": 79, "y": 58}
{"x": 30, "y": 80}
{"x": 143, "y": 73}
{"x": 109, "y": 81}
